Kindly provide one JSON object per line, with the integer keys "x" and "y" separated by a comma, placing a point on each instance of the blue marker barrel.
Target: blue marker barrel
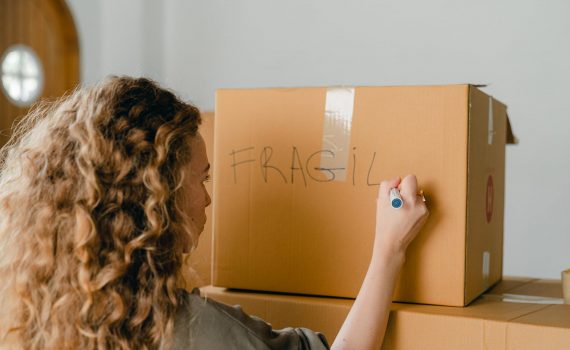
{"x": 395, "y": 198}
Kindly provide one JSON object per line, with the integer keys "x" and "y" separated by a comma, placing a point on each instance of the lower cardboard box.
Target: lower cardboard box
{"x": 516, "y": 314}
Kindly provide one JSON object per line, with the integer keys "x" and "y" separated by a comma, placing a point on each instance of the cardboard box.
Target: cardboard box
{"x": 198, "y": 270}
{"x": 297, "y": 174}
{"x": 488, "y": 323}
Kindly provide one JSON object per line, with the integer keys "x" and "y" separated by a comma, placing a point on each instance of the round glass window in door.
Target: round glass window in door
{"x": 22, "y": 75}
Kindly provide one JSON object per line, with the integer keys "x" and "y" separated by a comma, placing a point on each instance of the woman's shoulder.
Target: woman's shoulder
{"x": 203, "y": 323}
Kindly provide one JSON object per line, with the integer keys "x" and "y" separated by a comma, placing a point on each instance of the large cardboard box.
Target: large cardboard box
{"x": 488, "y": 323}
{"x": 297, "y": 174}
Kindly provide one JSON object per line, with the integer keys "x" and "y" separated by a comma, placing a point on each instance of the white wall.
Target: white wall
{"x": 87, "y": 16}
{"x": 520, "y": 48}
{"x": 119, "y": 37}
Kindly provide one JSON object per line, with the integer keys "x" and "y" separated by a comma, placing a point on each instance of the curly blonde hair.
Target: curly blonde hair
{"x": 91, "y": 225}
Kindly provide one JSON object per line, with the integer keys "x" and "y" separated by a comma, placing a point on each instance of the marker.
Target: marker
{"x": 395, "y": 198}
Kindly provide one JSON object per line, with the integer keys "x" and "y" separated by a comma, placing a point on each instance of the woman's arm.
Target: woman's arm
{"x": 365, "y": 325}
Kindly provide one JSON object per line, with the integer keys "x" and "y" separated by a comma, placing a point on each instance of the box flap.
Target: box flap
{"x": 511, "y": 138}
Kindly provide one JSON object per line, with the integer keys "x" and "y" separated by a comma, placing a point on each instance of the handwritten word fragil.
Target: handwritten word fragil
{"x": 306, "y": 169}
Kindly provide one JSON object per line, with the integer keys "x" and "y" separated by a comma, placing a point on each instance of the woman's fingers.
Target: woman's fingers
{"x": 409, "y": 188}
{"x": 385, "y": 187}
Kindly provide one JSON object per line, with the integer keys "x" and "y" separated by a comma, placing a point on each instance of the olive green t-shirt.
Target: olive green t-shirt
{"x": 206, "y": 324}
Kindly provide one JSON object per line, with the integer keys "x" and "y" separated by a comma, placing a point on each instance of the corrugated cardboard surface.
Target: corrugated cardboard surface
{"x": 548, "y": 328}
{"x": 281, "y": 227}
{"x": 488, "y": 323}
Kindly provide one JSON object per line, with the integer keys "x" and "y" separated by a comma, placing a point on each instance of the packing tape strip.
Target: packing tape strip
{"x": 490, "y": 127}
{"x": 566, "y": 286}
{"x": 486, "y": 265}
{"x": 337, "y": 126}
{"x": 530, "y": 299}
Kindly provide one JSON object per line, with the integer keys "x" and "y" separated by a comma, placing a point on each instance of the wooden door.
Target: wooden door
{"x": 46, "y": 29}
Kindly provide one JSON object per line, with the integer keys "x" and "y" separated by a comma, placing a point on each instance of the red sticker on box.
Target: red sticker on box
{"x": 489, "y": 198}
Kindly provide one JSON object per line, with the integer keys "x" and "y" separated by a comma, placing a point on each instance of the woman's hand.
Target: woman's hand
{"x": 396, "y": 228}
{"x": 366, "y": 323}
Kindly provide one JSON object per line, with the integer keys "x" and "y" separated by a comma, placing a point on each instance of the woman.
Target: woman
{"x": 101, "y": 194}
